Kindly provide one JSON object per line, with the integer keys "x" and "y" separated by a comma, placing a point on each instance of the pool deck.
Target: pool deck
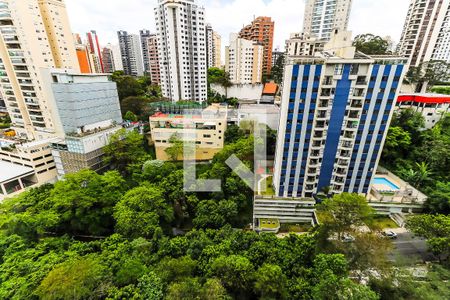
{"x": 386, "y": 193}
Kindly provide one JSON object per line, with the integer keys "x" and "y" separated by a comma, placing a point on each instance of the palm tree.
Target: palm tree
{"x": 225, "y": 82}
{"x": 423, "y": 173}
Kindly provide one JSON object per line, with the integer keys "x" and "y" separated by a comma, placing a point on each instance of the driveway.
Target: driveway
{"x": 408, "y": 247}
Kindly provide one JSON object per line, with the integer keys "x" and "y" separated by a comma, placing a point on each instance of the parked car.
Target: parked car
{"x": 390, "y": 234}
{"x": 347, "y": 238}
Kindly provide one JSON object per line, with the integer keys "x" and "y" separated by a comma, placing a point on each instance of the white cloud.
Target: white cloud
{"x": 382, "y": 17}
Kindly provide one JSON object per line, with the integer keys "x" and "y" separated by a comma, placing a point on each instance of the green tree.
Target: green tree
{"x": 75, "y": 279}
{"x": 215, "y": 75}
{"x": 215, "y": 214}
{"x": 278, "y": 70}
{"x": 136, "y": 105}
{"x": 371, "y": 44}
{"x": 176, "y": 149}
{"x": 436, "y": 229}
{"x": 125, "y": 152}
{"x": 130, "y": 116}
{"x": 344, "y": 211}
{"x": 127, "y": 86}
{"x": 439, "y": 199}
{"x": 84, "y": 201}
{"x": 141, "y": 211}
{"x": 151, "y": 286}
{"x": 234, "y": 271}
{"x": 427, "y": 74}
{"x": 270, "y": 282}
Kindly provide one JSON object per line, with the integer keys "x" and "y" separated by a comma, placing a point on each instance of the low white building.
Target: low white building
{"x": 268, "y": 114}
{"x": 433, "y": 107}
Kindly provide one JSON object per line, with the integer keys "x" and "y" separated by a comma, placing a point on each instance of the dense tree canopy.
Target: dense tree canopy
{"x": 371, "y": 44}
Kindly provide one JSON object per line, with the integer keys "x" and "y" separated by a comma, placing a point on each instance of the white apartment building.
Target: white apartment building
{"x": 426, "y": 33}
{"x": 214, "y": 44}
{"x": 181, "y": 31}
{"x": 35, "y": 34}
{"x": 244, "y": 60}
{"x": 302, "y": 44}
{"x": 322, "y": 16}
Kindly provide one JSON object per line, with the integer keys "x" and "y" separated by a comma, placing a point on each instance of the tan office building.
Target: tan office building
{"x": 203, "y": 128}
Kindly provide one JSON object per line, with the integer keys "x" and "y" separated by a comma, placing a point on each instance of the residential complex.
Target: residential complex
{"x": 433, "y": 107}
{"x": 204, "y": 129}
{"x": 131, "y": 53}
{"x": 95, "y": 52}
{"x": 144, "y": 35}
{"x": 213, "y": 45}
{"x": 153, "y": 58}
{"x": 244, "y": 60}
{"x": 46, "y": 95}
{"x": 426, "y": 33}
{"x": 181, "y": 31}
{"x": 335, "y": 113}
{"x": 323, "y": 16}
{"x": 261, "y": 30}
{"x": 35, "y": 35}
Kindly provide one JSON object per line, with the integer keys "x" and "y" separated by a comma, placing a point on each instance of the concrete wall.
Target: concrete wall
{"x": 249, "y": 92}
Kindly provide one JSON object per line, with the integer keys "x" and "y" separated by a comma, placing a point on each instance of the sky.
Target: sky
{"x": 380, "y": 17}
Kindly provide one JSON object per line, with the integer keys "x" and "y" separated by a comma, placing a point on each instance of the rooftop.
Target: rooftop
{"x": 429, "y": 98}
{"x": 11, "y": 171}
{"x": 270, "y": 88}
{"x": 213, "y": 111}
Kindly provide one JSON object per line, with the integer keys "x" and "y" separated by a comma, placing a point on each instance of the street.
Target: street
{"x": 408, "y": 247}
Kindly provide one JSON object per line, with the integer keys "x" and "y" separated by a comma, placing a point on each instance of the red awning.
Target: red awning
{"x": 424, "y": 98}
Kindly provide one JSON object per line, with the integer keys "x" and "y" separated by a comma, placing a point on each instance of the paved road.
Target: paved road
{"x": 410, "y": 247}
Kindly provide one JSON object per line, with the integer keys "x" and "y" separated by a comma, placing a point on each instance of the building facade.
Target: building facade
{"x": 34, "y": 35}
{"x": 95, "y": 51}
{"x": 204, "y": 129}
{"x": 335, "y": 112}
{"x": 108, "y": 60}
{"x": 426, "y": 34}
{"x": 213, "y": 45}
{"x": 323, "y": 16}
{"x": 303, "y": 44}
{"x": 144, "y": 35}
{"x": 130, "y": 53}
{"x": 153, "y": 57}
{"x": 244, "y": 60}
{"x": 181, "y": 31}
{"x": 261, "y": 30}
{"x": 87, "y": 112}
{"x": 433, "y": 107}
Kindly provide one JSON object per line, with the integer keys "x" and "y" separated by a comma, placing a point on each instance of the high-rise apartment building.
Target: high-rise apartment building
{"x": 153, "y": 58}
{"x": 118, "y": 65}
{"x": 244, "y": 60}
{"x": 426, "y": 33}
{"x": 214, "y": 45}
{"x": 35, "y": 34}
{"x": 323, "y": 16}
{"x": 95, "y": 51}
{"x": 130, "y": 51}
{"x": 335, "y": 113}
{"x": 303, "y": 44}
{"x": 181, "y": 31}
{"x": 108, "y": 59}
{"x": 261, "y": 30}
{"x": 144, "y": 35}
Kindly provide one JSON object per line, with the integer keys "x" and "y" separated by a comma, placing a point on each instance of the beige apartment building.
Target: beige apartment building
{"x": 35, "y": 34}
{"x": 203, "y": 130}
{"x": 244, "y": 60}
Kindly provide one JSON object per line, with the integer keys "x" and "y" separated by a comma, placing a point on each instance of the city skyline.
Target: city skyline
{"x": 85, "y": 15}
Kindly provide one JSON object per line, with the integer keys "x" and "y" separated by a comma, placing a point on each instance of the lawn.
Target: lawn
{"x": 269, "y": 189}
{"x": 380, "y": 223}
{"x": 286, "y": 228}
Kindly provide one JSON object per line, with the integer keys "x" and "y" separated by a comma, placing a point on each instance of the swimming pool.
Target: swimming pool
{"x": 385, "y": 182}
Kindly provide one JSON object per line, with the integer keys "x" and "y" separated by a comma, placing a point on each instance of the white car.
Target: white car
{"x": 390, "y": 234}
